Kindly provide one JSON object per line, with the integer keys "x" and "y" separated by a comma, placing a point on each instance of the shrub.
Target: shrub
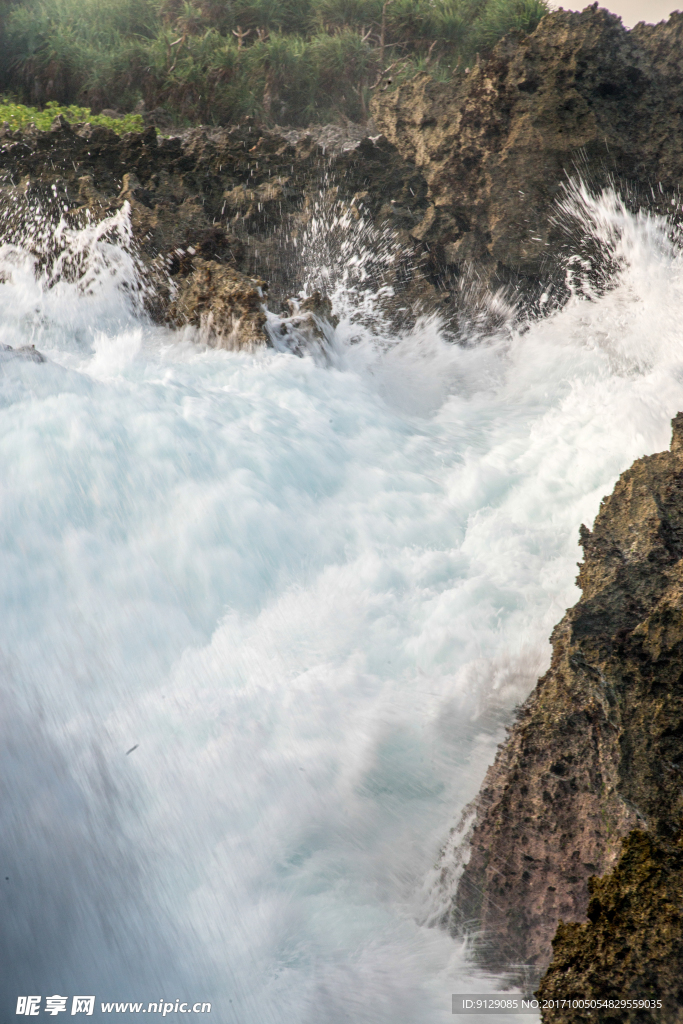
{"x": 217, "y": 60}
{"x": 19, "y": 116}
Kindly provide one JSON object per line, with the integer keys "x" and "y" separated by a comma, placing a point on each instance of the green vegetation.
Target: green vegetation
{"x": 19, "y": 116}
{"x": 292, "y": 61}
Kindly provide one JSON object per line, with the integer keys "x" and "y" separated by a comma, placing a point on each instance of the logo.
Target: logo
{"x": 83, "y": 1004}
{"x": 29, "y": 1006}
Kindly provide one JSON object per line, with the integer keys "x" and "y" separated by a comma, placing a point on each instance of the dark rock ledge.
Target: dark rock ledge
{"x": 216, "y": 214}
{"x": 589, "y": 782}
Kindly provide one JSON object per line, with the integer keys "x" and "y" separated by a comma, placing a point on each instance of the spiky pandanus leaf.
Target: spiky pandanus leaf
{"x": 313, "y": 59}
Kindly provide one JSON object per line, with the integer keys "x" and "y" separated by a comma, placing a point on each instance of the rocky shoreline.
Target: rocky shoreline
{"x": 216, "y": 215}
{"x": 579, "y": 819}
{"x": 595, "y": 758}
{"x": 582, "y": 96}
{"x": 466, "y": 182}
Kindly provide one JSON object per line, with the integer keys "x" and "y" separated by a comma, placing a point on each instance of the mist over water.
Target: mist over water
{"x": 266, "y": 617}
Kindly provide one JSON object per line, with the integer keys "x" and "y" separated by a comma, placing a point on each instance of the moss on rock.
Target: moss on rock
{"x": 631, "y": 947}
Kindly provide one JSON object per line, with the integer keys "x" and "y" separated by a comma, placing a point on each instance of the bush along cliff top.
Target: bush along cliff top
{"x": 216, "y": 62}
{"x": 18, "y": 116}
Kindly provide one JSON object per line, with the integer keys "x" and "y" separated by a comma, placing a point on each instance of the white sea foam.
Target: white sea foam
{"x": 311, "y": 595}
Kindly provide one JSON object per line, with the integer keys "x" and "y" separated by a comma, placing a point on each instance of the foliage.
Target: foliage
{"x": 19, "y": 116}
{"x": 290, "y": 61}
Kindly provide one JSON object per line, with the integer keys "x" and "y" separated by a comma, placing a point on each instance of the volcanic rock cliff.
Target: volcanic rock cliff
{"x": 581, "y": 95}
{"x": 596, "y": 755}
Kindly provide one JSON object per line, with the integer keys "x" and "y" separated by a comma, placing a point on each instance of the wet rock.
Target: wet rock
{"x": 597, "y": 749}
{"x": 466, "y": 174}
{"x": 27, "y": 352}
{"x": 581, "y": 95}
{"x": 227, "y": 306}
{"x": 307, "y": 327}
{"x": 239, "y": 196}
{"x": 630, "y": 948}
{"x": 317, "y": 305}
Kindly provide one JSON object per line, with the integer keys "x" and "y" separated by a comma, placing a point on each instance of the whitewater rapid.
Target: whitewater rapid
{"x": 264, "y": 619}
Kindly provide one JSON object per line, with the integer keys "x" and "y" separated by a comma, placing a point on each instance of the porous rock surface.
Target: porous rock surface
{"x": 581, "y": 95}
{"x": 205, "y": 202}
{"x": 596, "y": 755}
{"x": 630, "y": 949}
{"x": 465, "y": 175}
{"x": 225, "y": 305}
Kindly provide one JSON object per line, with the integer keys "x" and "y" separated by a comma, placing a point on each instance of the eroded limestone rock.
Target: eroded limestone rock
{"x": 305, "y": 327}
{"x": 238, "y": 196}
{"x": 580, "y": 96}
{"x": 630, "y": 948}
{"x": 226, "y": 306}
{"x": 466, "y": 173}
{"x": 597, "y": 749}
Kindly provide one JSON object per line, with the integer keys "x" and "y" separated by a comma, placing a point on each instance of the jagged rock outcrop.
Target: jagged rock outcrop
{"x": 225, "y": 305}
{"x": 28, "y": 353}
{"x": 305, "y": 325}
{"x": 631, "y": 947}
{"x": 597, "y": 749}
{"x": 466, "y": 174}
{"x": 238, "y": 197}
{"x": 580, "y": 95}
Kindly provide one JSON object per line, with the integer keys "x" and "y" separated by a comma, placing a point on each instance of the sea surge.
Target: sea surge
{"x": 265, "y": 618}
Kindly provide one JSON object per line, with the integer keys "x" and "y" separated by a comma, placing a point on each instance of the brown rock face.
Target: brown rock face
{"x": 597, "y": 749}
{"x": 227, "y": 306}
{"x": 237, "y": 197}
{"x": 581, "y": 94}
{"x": 631, "y": 947}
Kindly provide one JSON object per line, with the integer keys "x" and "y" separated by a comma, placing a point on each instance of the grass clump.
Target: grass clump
{"x": 18, "y": 116}
{"x": 291, "y": 61}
